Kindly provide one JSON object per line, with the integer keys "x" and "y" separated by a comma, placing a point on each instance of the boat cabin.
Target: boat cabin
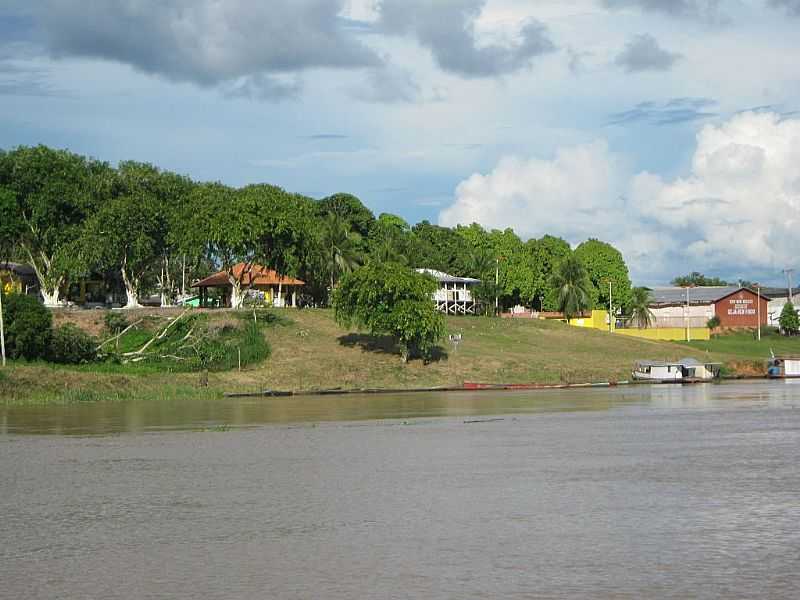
{"x": 781, "y": 367}
{"x": 686, "y": 369}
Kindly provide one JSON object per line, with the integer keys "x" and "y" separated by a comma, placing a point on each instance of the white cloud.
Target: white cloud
{"x": 737, "y": 212}
{"x": 575, "y": 194}
{"x": 740, "y": 205}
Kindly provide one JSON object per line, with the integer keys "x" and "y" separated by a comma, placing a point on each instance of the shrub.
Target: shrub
{"x": 713, "y": 322}
{"x": 789, "y": 321}
{"x": 115, "y": 321}
{"x": 28, "y": 327}
{"x": 72, "y": 346}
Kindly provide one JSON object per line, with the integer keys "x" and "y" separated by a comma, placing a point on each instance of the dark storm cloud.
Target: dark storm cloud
{"x": 792, "y": 7}
{"x": 447, "y": 29}
{"x": 643, "y": 53}
{"x": 204, "y": 41}
{"x": 672, "y": 112}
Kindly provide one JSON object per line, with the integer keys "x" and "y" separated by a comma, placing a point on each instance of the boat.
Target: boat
{"x": 686, "y": 370}
{"x": 783, "y": 367}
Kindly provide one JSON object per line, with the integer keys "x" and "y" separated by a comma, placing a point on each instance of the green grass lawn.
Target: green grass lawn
{"x": 310, "y": 351}
{"x": 744, "y": 345}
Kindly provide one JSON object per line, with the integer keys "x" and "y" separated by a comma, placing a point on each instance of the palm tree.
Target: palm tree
{"x": 389, "y": 250}
{"x": 340, "y": 247}
{"x": 640, "y": 309}
{"x": 572, "y": 284}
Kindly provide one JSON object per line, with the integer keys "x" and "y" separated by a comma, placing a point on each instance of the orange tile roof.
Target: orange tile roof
{"x": 257, "y": 275}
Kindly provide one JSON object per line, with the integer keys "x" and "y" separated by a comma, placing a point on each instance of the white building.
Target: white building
{"x": 454, "y": 296}
{"x": 778, "y": 298}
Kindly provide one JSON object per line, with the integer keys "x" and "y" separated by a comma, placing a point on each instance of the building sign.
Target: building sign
{"x": 741, "y": 306}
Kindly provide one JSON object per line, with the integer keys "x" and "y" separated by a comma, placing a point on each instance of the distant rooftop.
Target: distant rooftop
{"x": 697, "y": 295}
{"x": 442, "y": 277}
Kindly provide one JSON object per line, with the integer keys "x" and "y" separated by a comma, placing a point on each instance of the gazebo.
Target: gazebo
{"x": 271, "y": 288}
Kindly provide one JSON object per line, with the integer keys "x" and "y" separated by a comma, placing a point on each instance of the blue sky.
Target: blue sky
{"x": 667, "y": 127}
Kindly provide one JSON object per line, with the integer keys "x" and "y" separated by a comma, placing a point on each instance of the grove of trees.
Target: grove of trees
{"x": 142, "y": 227}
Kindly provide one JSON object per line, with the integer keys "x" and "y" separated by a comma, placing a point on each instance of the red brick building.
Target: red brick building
{"x": 741, "y": 309}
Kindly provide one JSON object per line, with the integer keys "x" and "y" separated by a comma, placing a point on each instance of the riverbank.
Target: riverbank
{"x": 310, "y": 351}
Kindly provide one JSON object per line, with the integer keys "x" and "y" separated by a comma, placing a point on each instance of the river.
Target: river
{"x": 628, "y": 492}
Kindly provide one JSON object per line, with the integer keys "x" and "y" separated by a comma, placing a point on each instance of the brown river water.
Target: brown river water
{"x": 629, "y": 492}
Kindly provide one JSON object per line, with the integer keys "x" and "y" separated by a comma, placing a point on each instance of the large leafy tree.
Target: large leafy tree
{"x": 359, "y": 218}
{"x": 125, "y": 234}
{"x": 572, "y": 286}
{"x": 258, "y": 224}
{"x": 547, "y": 253}
{"x": 440, "y": 248}
{"x": 605, "y": 264}
{"x": 639, "y": 306}
{"x": 788, "y": 319}
{"x": 390, "y": 299}
{"x": 54, "y": 192}
{"x": 170, "y": 191}
{"x": 11, "y": 228}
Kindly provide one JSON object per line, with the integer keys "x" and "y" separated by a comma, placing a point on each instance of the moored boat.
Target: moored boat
{"x": 686, "y": 370}
{"x": 783, "y": 367}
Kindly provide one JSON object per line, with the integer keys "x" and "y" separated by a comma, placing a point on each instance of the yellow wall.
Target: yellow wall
{"x": 596, "y": 321}
{"x": 667, "y": 333}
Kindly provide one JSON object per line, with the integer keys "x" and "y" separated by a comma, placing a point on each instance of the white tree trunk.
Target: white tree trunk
{"x": 237, "y": 297}
{"x": 131, "y": 290}
{"x": 50, "y": 296}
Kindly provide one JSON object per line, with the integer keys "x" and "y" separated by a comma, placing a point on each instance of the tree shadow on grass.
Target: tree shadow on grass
{"x": 383, "y": 344}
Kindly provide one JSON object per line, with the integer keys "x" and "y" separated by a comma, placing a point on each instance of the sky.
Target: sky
{"x": 669, "y": 128}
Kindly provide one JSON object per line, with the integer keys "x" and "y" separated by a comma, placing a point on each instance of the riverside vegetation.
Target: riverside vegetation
{"x": 309, "y": 350}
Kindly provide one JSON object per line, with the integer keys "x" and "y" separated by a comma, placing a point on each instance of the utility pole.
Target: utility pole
{"x": 496, "y": 285}
{"x": 788, "y": 273}
{"x": 758, "y": 293}
{"x": 688, "y": 329}
{"x": 610, "y": 313}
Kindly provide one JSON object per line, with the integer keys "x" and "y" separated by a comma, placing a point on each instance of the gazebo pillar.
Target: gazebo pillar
{"x": 294, "y": 297}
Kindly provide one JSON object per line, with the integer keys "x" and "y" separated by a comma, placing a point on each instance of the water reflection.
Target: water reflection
{"x": 133, "y": 416}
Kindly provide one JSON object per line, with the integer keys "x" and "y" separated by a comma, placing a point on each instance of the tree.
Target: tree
{"x": 351, "y": 209}
{"x": 390, "y": 299}
{"x": 11, "y": 228}
{"x": 547, "y": 253}
{"x": 572, "y": 285}
{"x": 439, "y": 248}
{"x": 788, "y": 320}
{"x": 340, "y": 247}
{"x": 54, "y": 191}
{"x": 125, "y": 234}
{"x": 389, "y": 239}
{"x": 258, "y": 224}
{"x": 605, "y": 264}
{"x": 640, "y": 308}
{"x": 169, "y": 191}
{"x": 698, "y": 279}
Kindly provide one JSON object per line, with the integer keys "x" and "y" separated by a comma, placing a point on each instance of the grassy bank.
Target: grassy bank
{"x": 310, "y": 351}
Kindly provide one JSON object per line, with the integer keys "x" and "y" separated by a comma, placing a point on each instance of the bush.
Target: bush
{"x": 789, "y": 321}
{"x": 72, "y": 346}
{"x": 713, "y": 322}
{"x": 115, "y": 322}
{"x": 28, "y": 327}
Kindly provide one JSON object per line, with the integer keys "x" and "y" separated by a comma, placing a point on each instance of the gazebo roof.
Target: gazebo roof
{"x": 257, "y": 275}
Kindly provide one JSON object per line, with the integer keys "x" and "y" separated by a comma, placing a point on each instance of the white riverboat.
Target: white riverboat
{"x": 783, "y": 367}
{"x": 686, "y": 370}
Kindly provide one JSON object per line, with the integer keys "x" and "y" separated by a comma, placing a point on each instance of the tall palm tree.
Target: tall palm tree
{"x": 572, "y": 284}
{"x": 640, "y": 309}
{"x": 389, "y": 249}
{"x": 339, "y": 246}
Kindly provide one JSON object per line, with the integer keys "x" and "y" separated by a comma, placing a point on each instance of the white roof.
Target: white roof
{"x": 442, "y": 277}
